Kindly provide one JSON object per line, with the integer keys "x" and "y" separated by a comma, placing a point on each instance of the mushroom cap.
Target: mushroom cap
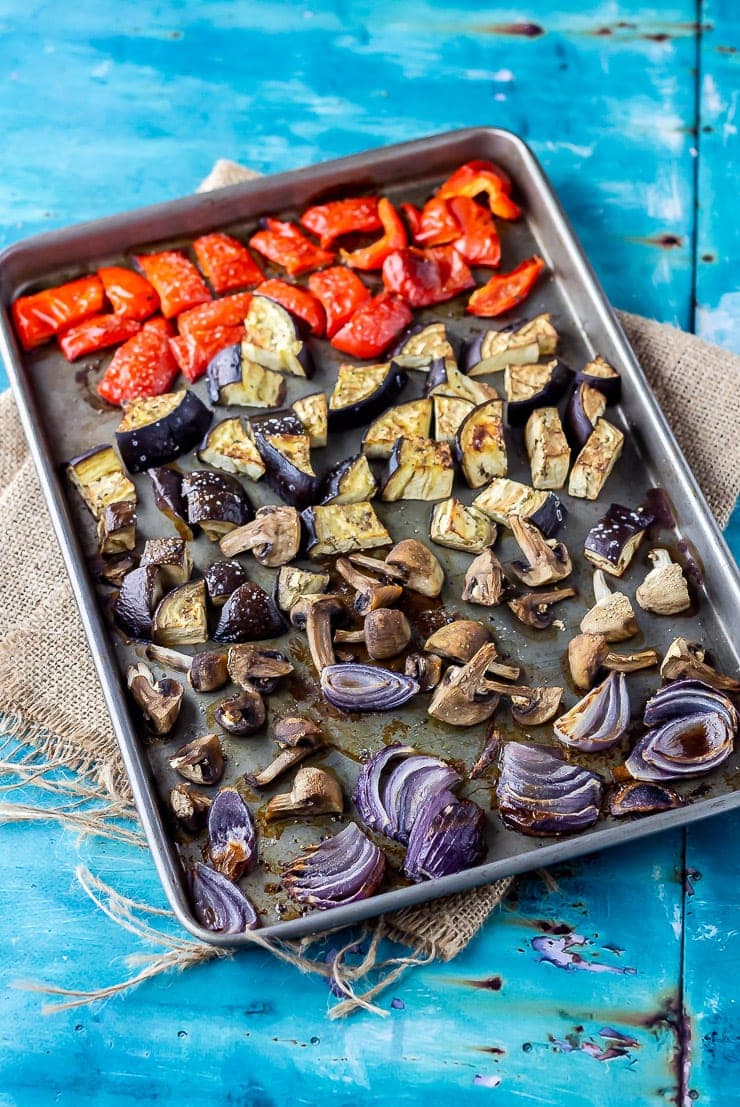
{"x": 422, "y": 571}
{"x": 333, "y": 606}
{"x": 457, "y": 641}
{"x": 387, "y": 632}
{"x": 611, "y": 617}
{"x": 586, "y": 655}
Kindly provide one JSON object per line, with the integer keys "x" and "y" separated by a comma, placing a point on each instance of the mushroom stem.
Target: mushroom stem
{"x": 314, "y": 792}
{"x": 273, "y": 536}
{"x": 172, "y": 659}
{"x": 375, "y": 565}
{"x": 630, "y": 662}
{"x": 315, "y": 614}
{"x": 602, "y": 591}
{"x": 371, "y": 593}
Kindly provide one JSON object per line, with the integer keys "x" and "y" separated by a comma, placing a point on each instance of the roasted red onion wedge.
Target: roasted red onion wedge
{"x": 641, "y": 797}
{"x": 599, "y": 720}
{"x": 343, "y": 869}
{"x": 360, "y": 688}
{"x": 218, "y": 904}
{"x": 688, "y": 697}
{"x": 686, "y": 746}
{"x": 231, "y": 834}
{"x": 395, "y": 785}
{"x": 541, "y": 795}
{"x": 451, "y": 839}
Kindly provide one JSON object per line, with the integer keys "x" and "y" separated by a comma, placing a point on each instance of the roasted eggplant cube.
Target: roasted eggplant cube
{"x": 288, "y": 468}
{"x": 449, "y": 412}
{"x": 293, "y": 583}
{"x": 99, "y": 478}
{"x": 362, "y": 392}
{"x": 173, "y": 557}
{"x": 222, "y": 578}
{"x": 422, "y": 346}
{"x": 547, "y": 448}
{"x": 461, "y": 528}
{"x": 479, "y": 444}
{"x": 249, "y": 615}
{"x": 585, "y": 407}
{"x": 411, "y": 420}
{"x": 157, "y": 429}
{"x": 531, "y": 386}
{"x": 418, "y": 469}
{"x": 313, "y": 413}
{"x": 180, "y": 618}
{"x": 444, "y": 377}
{"x": 595, "y": 461}
{"x": 505, "y": 497}
{"x": 236, "y": 380}
{"x": 114, "y": 569}
{"x": 140, "y": 593}
{"x": 492, "y": 351}
{"x": 285, "y": 421}
{"x": 216, "y": 502}
{"x": 117, "y": 527}
{"x": 610, "y": 544}
{"x": 599, "y": 374}
{"x": 349, "y": 482}
{"x": 341, "y": 528}
{"x": 275, "y": 339}
{"x": 227, "y": 446}
{"x": 168, "y": 498}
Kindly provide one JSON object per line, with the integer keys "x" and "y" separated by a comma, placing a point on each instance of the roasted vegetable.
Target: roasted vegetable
{"x": 288, "y": 467}
{"x": 159, "y": 701}
{"x": 313, "y": 414}
{"x": 423, "y": 346}
{"x": 190, "y": 807}
{"x": 316, "y": 614}
{"x": 484, "y": 580}
{"x": 341, "y": 293}
{"x": 226, "y": 262}
{"x": 249, "y": 615}
{"x": 283, "y": 421}
{"x": 528, "y": 387}
{"x": 297, "y": 738}
{"x": 612, "y": 615}
{"x": 168, "y": 498}
{"x": 40, "y": 316}
{"x": 200, "y": 761}
{"x": 393, "y": 238}
{"x": 216, "y": 502}
{"x": 505, "y": 497}
{"x": 180, "y": 618}
{"x": 664, "y": 590}
{"x": 600, "y": 375}
{"x": 640, "y": 797}
{"x": 227, "y": 446}
{"x": 446, "y": 379}
{"x": 479, "y": 445}
{"x": 479, "y": 243}
{"x": 236, "y": 380}
{"x": 419, "y": 569}
{"x": 425, "y": 277}
{"x": 339, "y": 528}
{"x": 491, "y": 351}
{"x": 330, "y": 221}
{"x": 505, "y": 291}
{"x": 140, "y": 593}
{"x": 252, "y": 668}
{"x": 371, "y": 592}
{"x": 362, "y": 688}
{"x": 99, "y": 478}
{"x": 461, "y": 528}
{"x": 410, "y": 420}
{"x": 301, "y": 304}
{"x": 386, "y": 633}
{"x": 535, "y": 609}
{"x": 337, "y": 871}
{"x": 117, "y": 527}
{"x": 373, "y": 327}
{"x": 242, "y": 714}
{"x": 291, "y": 584}
{"x": 687, "y": 659}
{"x": 449, "y": 413}
{"x": 418, "y": 469}
{"x": 114, "y": 569}
{"x": 547, "y": 448}
{"x": 458, "y": 641}
{"x": 314, "y": 792}
{"x": 274, "y": 339}
{"x": 589, "y": 655}
{"x": 595, "y": 461}
{"x": 535, "y": 706}
{"x": 208, "y": 671}
{"x": 96, "y": 333}
{"x": 173, "y": 557}
{"x": 611, "y": 543}
{"x": 599, "y": 720}
{"x": 285, "y": 245}
{"x": 539, "y": 794}
{"x": 349, "y": 482}
{"x": 362, "y": 392}
{"x": 219, "y": 904}
{"x": 178, "y": 283}
{"x": 461, "y": 698}
{"x": 482, "y": 178}
{"x": 232, "y": 839}
{"x": 426, "y": 670}
{"x": 274, "y": 536}
{"x": 585, "y": 407}
{"x": 222, "y": 578}
{"x": 545, "y": 561}
{"x": 158, "y": 429}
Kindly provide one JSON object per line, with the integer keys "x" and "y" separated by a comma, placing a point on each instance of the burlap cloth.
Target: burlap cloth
{"x": 50, "y": 697}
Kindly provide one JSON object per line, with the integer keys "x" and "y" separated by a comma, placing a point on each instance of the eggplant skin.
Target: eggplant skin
{"x": 117, "y": 527}
{"x": 600, "y": 375}
{"x": 249, "y": 615}
{"x": 168, "y": 498}
{"x": 152, "y": 443}
{"x": 140, "y": 593}
{"x": 418, "y": 469}
{"x": 371, "y": 404}
{"x": 222, "y": 579}
{"x": 236, "y": 380}
{"x": 586, "y": 406}
{"x": 350, "y": 482}
{"x": 292, "y": 483}
{"x": 518, "y": 411}
{"x": 217, "y": 502}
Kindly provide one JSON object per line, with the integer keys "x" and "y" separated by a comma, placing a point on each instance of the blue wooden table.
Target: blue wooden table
{"x": 632, "y": 109}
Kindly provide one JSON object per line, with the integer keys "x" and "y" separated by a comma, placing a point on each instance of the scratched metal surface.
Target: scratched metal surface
{"x": 126, "y": 103}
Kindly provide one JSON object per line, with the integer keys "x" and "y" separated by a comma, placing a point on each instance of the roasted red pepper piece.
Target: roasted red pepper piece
{"x": 477, "y": 177}
{"x": 341, "y": 292}
{"x": 177, "y": 281}
{"x": 330, "y": 221}
{"x": 159, "y": 324}
{"x": 479, "y": 243}
{"x": 38, "y": 317}
{"x": 95, "y": 334}
{"x": 506, "y": 290}
{"x": 412, "y": 215}
{"x": 226, "y": 262}
{"x": 129, "y": 294}
{"x": 193, "y": 353}
{"x": 143, "y": 366}
{"x": 424, "y": 277}
{"x": 394, "y": 238}
{"x": 373, "y": 326}
{"x": 437, "y": 224}
{"x": 298, "y": 301}
{"x": 286, "y": 245}
{"x": 229, "y": 311}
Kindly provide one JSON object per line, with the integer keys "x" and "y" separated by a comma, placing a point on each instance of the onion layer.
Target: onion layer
{"x": 360, "y": 688}
{"x": 218, "y": 904}
{"x": 343, "y": 869}
{"x": 599, "y": 720}
{"x": 231, "y": 834}
{"x": 540, "y": 795}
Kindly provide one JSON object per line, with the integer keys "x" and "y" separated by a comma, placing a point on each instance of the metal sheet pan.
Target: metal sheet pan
{"x": 47, "y": 389}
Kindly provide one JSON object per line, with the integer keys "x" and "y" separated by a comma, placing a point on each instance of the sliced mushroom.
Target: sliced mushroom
{"x": 249, "y": 666}
{"x": 159, "y": 701}
{"x": 458, "y": 641}
{"x": 685, "y": 659}
{"x": 371, "y": 593}
{"x": 377, "y": 567}
{"x": 664, "y": 590}
{"x": 422, "y": 571}
{"x": 458, "y": 699}
{"x": 534, "y": 609}
{"x": 534, "y": 706}
{"x": 314, "y": 792}
{"x": 242, "y": 714}
{"x": 612, "y": 615}
{"x": 207, "y": 671}
{"x": 425, "y": 669}
{"x": 546, "y": 561}
{"x": 190, "y": 807}
{"x": 588, "y": 654}
{"x": 200, "y": 761}
{"x": 315, "y": 615}
{"x": 273, "y": 536}
{"x": 485, "y": 582}
{"x": 297, "y": 738}
{"x": 386, "y": 633}
{"x": 489, "y": 753}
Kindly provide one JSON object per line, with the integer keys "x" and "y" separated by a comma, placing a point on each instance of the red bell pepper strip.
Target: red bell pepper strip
{"x": 229, "y": 311}
{"x": 437, "y": 224}
{"x": 193, "y": 353}
{"x": 412, "y": 215}
{"x": 129, "y": 294}
{"x": 394, "y": 238}
{"x": 286, "y": 245}
{"x": 143, "y": 366}
{"x": 40, "y": 316}
{"x": 479, "y": 243}
{"x": 160, "y": 325}
{"x": 178, "y": 282}
{"x": 504, "y": 291}
{"x": 373, "y": 326}
{"x": 95, "y": 334}
{"x": 330, "y": 221}
{"x": 424, "y": 277}
{"x": 226, "y": 262}
{"x": 341, "y": 292}
{"x": 478, "y": 177}
{"x": 298, "y": 301}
